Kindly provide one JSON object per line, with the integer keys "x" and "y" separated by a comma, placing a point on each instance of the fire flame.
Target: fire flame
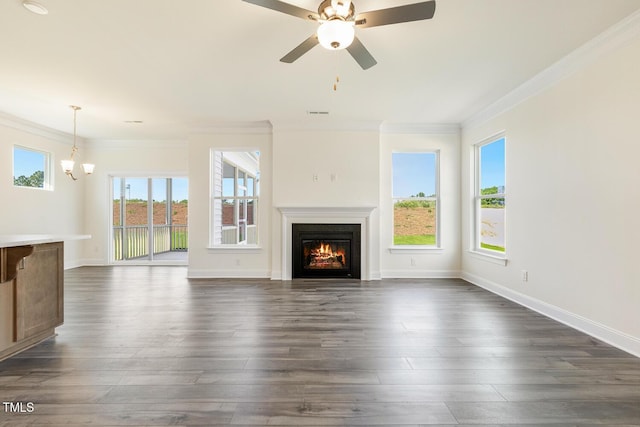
{"x": 325, "y": 254}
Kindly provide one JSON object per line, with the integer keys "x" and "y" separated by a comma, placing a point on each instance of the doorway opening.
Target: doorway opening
{"x": 150, "y": 220}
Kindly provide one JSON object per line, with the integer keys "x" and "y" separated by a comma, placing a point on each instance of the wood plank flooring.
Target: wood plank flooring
{"x": 146, "y": 346}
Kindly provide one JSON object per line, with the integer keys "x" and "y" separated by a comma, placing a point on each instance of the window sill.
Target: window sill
{"x": 45, "y": 188}
{"x": 494, "y": 259}
{"x": 415, "y": 249}
{"x": 235, "y": 249}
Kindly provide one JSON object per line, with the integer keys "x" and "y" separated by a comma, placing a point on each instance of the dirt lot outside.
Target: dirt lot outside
{"x": 136, "y": 213}
{"x": 414, "y": 221}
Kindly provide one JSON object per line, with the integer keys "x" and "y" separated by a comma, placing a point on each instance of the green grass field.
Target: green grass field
{"x": 492, "y": 247}
{"x": 423, "y": 239}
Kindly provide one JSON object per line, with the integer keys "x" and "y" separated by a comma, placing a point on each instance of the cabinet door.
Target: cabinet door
{"x": 39, "y": 291}
{"x": 7, "y": 315}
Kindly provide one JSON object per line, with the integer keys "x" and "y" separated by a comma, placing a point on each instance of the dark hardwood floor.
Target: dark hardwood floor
{"x": 146, "y": 346}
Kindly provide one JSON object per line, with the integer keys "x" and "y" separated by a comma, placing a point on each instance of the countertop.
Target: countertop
{"x": 12, "y": 240}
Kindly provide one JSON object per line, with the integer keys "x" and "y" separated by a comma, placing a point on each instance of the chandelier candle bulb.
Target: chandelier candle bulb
{"x": 88, "y": 168}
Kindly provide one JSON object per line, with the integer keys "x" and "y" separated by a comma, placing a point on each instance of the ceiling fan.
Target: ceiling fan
{"x": 338, "y": 20}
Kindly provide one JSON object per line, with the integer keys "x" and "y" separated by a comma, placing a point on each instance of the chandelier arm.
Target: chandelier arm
{"x": 67, "y": 165}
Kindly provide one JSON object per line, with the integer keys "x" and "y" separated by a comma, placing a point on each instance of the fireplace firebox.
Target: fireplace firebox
{"x": 326, "y": 250}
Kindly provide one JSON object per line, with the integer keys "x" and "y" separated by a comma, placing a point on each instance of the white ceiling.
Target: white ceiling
{"x": 185, "y": 65}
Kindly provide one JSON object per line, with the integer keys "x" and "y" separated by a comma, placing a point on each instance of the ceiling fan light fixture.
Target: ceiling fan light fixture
{"x": 341, "y": 7}
{"x": 336, "y": 34}
{"x": 35, "y": 7}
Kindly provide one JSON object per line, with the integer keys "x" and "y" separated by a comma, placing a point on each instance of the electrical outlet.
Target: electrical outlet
{"x": 525, "y": 275}
{"x": 315, "y": 177}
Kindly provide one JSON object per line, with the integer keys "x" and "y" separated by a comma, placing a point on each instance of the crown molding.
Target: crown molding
{"x": 325, "y": 124}
{"x": 125, "y": 144}
{"x": 608, "y": 41}
{"x": 420, "y": 128}
{"x": 241, "y": 127}
{"x": 22, "y": 125}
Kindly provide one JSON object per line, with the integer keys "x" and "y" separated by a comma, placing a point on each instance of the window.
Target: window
{"x": 490, "y": 200}
{"x": 235, "y": 197}
{"x": 150, "y": 219}
{"x": 415, "y": 199}
{"x": 31, "y": 168}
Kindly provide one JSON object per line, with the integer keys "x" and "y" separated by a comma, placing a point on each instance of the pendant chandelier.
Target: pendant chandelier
{"x": 67, "y": 165}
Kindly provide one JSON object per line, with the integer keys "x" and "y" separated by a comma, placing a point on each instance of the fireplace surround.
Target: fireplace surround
{"x": 325, "y": 215}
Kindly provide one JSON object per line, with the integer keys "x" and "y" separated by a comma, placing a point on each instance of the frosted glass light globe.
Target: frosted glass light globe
{"x": 336, "y": 34}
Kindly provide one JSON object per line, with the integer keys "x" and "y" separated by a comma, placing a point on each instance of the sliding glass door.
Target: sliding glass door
{"x": 150, "y": 219}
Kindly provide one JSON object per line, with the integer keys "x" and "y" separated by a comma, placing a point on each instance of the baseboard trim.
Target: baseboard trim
{"x": 276, "y": 275}
{"x": 76, "y": 263}
{"x": 89, "y": 262}
{"x": 597, "y": 330}
{"x": 228, "y": 274}
{"x": 420, "y": 274}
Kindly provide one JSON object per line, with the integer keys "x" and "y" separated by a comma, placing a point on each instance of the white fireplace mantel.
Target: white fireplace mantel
{"x": 326, "y": 215}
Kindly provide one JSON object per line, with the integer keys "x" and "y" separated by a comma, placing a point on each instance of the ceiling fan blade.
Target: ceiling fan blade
{"x": 287, "y": 8}
{"x": 301, "y": 49}
{"x": 396, "y": 15}
{"x": 361, "y": 54}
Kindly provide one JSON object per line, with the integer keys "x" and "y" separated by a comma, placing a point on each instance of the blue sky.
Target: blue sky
{"x": 413, "y": 173}
{"x": 26, "y": 162}
{"x": 493, "y": 164}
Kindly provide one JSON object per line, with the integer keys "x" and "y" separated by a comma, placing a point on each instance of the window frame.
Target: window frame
{"x": 242, "y": 195}
{"x": 436, "y": 198}
{"x": 478, "y": 197}
{"x": 47, "y": 183}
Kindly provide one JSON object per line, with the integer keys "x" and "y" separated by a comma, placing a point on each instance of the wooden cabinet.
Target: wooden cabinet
{"x": 31, "y": 295}
{"x": 7, "y": 316}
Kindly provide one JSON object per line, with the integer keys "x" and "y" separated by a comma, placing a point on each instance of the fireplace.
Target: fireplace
{"x": 326, "y": 250}
{"x": 360, "y": 216}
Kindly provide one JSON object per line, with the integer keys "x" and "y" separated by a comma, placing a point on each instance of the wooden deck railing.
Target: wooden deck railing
{"x": 133, "y": 241}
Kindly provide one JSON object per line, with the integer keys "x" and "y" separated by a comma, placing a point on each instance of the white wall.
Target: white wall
{"x": 326, "y": 167}
{"x": 443, "y": 262}
{"x": 572, "y": 200}
{"x": 35, "y": 211}
{"x": 337, "y": 165}
{"x": 203, "y": 260}
{"x": 118, "y": 158}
